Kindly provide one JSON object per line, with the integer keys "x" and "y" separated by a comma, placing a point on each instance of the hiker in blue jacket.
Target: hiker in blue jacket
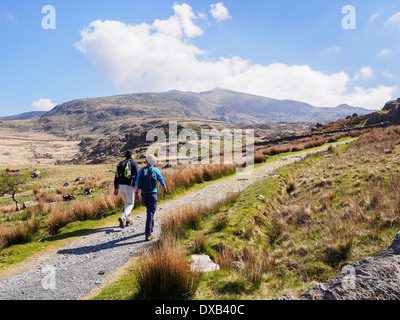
{"x": 146, "y": 183}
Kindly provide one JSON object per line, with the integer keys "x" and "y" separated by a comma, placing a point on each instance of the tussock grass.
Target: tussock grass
{"x": 302, "y": 144}
{"x": 177, "y": 222}
{"x": 186, "y": 176}
{"x": 164, "y": 273}
{"x": 83, "y": 209}
{"x": 18, "y": 233}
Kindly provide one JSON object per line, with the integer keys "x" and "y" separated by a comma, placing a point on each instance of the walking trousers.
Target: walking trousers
{"x": 150, "y": 201}
{"x": 128, "y": 195}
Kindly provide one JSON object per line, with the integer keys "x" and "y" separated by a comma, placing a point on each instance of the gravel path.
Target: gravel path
{"x": 87, "y": 263}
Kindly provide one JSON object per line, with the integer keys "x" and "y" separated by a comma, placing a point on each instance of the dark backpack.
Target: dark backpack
{"x": 148, "y": 179}
{"x": 124, "y": 172}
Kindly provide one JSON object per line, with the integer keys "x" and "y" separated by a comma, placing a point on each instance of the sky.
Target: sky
{"x": 324, "y": 53}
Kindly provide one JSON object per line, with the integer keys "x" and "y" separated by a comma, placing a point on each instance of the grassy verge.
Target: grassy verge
{"x": 316, "y": 216}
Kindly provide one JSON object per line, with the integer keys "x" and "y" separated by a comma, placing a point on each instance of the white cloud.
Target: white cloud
{"x": 219, "y": 11}
{"x": 389, "y": 75}
{"x": 8, "y": 16}
{"x": 332, "y": 49}
{"x": 161, "y": 57}
{"x": 373, "y": 17}
{"x": 43, "y": 105}
{"x": 364, "y": 74}
{"x": 385, "y": 52}
{"x": 394, "y": 20}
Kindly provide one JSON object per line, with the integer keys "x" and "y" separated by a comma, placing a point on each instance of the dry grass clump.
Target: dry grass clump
{"x": 185, "y": 176}
{"x": 8, "y": 208}
{"x": 200, "y": 242}
{"x": 177, "y": 222}
{"x": 18, "y": 233}
{"x": 53, "y": 197}
{"x": 226, "y": 257}
{"x": 256, "y": 265}
{"x": 42, "y": 208}
{"x": 82, "y": 209}
{"x": 164, "y": 273}
{"x": 379, "y": 140}
{"x": 187, "y": 217}
{"x": 259, "y": 157}
{"x": 303, "y": 144}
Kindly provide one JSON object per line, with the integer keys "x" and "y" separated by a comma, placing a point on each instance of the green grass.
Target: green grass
{"x": 240, "y": 228}
{"x": 308, "y": 225}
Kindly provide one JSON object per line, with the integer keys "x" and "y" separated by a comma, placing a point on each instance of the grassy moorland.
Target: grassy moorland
{"x": 92, "y": 200}
{"x": 317, "y": 216}
{"x": 93, "y": 204}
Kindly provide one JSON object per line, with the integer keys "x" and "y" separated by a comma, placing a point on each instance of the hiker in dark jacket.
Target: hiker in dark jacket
{"x": 146, "y": 183}
{"x": 125, "y": 181}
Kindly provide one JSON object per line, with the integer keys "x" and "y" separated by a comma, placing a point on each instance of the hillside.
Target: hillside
{"x": 23, "y": 116}
{"x": 388, "y": 116}
{"x": 218, "y": 105}
{"x": 108, "y": 125}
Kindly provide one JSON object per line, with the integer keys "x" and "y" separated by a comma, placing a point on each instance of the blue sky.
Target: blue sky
{"x": 285, "y": 49}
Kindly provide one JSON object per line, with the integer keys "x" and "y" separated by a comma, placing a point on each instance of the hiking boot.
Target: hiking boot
{"x": 129, "y": 223}
{"x": 121, "y": 223}
{"x": 149, "y": 238}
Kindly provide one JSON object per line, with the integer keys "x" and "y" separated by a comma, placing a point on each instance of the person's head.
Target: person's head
{"x": 151, "y": 159}
{"x": 129, "y": 154}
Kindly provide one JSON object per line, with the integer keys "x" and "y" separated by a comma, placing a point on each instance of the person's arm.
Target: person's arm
{"x": 137, "y": 186}
{"x": 161, "y": 179}
{"x": 116, "y": 184}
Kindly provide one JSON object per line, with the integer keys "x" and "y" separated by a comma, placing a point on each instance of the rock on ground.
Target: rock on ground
{"x": 375, "y": 278}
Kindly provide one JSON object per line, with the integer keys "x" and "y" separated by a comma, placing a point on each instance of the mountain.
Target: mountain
{"x": 219, "y": 104}
{"x": 107, "y": 125}
{"x": 23, "y": 116}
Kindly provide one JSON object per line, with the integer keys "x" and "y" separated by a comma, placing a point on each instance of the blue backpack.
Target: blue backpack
{"x": 148, "y": 179}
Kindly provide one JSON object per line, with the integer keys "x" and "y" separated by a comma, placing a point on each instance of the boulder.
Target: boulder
{"x": 203, "y": 263}
{"x": 391, "y": 104}
{"x": 35, "y": 174}
{"x": 88, "y": 192}
{"x": 27, "y": 204}
{"x": 288, "y": 296}
{"x": 375, "y": 278}
{"x": 69, "y": 197}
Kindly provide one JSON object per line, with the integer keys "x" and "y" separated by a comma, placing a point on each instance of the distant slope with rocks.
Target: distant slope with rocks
{"x": 218, "y": 105}
{"x": 23, "y": 116}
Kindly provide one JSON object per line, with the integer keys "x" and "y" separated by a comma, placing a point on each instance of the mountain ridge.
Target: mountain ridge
{"x": 218, "y": 104}
{"x": 23, "y": 116}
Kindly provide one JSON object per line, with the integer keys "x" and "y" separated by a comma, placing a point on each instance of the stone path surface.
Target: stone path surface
{"x": 83, "y": 265}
